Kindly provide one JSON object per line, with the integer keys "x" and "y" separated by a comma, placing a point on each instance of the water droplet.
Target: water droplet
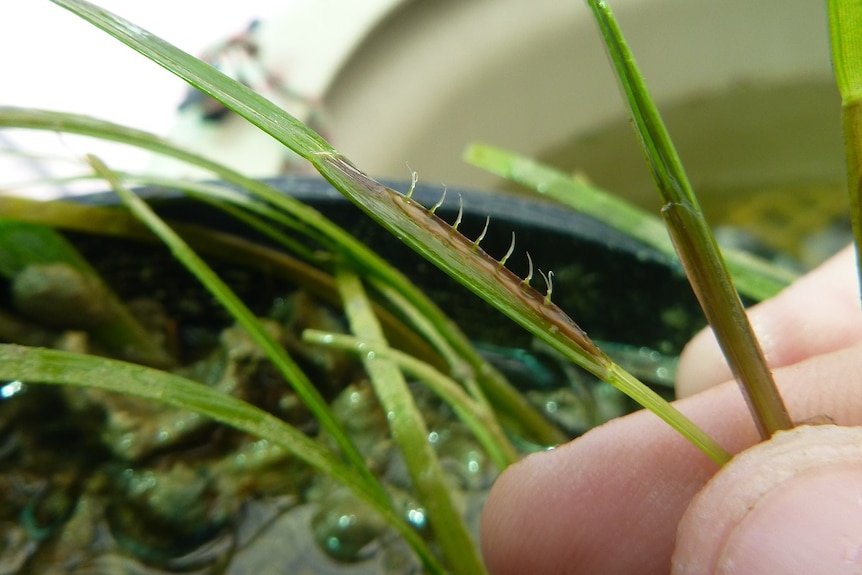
{"x": 355, "y": 398}
{"x": 433, "y": 437}
{"x": 417, "y": 517}
{"x": 370, "y": 355}
{"x": 328, "y": 338}
{"x": 12, "y": 388}
{"x": 126, "y": 441}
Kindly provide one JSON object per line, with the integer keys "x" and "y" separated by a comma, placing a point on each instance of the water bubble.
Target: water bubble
{"x": 126, "y": 441}
{"x": 417, "y": 518}
{"x": 12, "y": 388}
{"x": 433, "y": 437}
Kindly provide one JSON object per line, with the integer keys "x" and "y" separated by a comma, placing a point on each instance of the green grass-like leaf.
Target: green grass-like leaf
{"x": 693, "y": 239}
{"x": 845, "y": 36}
{"x": 754, "y": 277}
{"x": 409, "y": 432}
{"x": 475, "y": 415}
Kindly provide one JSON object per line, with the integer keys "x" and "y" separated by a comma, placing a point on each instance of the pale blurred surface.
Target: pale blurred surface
{"x": 53, "y": 60}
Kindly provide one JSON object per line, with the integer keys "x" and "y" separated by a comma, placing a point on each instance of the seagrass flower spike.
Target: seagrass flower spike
{"x": 498, "y": 284}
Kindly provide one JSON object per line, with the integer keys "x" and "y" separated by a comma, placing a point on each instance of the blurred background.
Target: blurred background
{"x": 745, "y": 87}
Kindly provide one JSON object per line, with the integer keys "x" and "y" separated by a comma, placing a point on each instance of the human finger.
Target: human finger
{"x": 820, "y": 312}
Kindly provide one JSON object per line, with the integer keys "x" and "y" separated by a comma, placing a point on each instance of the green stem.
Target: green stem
{"x": 409, "y": 432}
{"x": 624, "y": 381}
{"x": 845, "y": 35}
{"x": 693, "y": 239}
{"x": 474, "y": 415}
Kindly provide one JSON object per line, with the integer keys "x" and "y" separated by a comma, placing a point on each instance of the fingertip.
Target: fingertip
{"x": 790, "y": 505}
{"x": 608, "y": 502}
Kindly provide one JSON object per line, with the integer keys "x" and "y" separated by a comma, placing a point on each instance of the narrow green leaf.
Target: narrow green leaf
{"x": 475, "y": 416}
{"x": 409, "y": 432}
{"x": 755, "y": 278}
{"x": 845, "y": 35}
{"x": 693, "y": 240}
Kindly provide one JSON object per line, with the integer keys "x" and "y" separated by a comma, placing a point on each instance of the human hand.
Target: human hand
{"x": 612, "y": 500}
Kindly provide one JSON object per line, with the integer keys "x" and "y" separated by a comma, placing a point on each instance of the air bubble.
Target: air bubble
{"x": 417, "y": 517}
{"x": 12, "y": 388}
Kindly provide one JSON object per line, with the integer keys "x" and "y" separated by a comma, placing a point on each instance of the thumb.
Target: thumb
{"x": 790, "y": 505}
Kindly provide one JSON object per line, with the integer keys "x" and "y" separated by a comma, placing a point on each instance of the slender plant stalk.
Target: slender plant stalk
{"x": 845, "y": 36}
{"x": 460, "y": 369}
{"x": 694, "y": 241}
{"x": 475, "y": 416}
{"x": 409, "y": 431}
